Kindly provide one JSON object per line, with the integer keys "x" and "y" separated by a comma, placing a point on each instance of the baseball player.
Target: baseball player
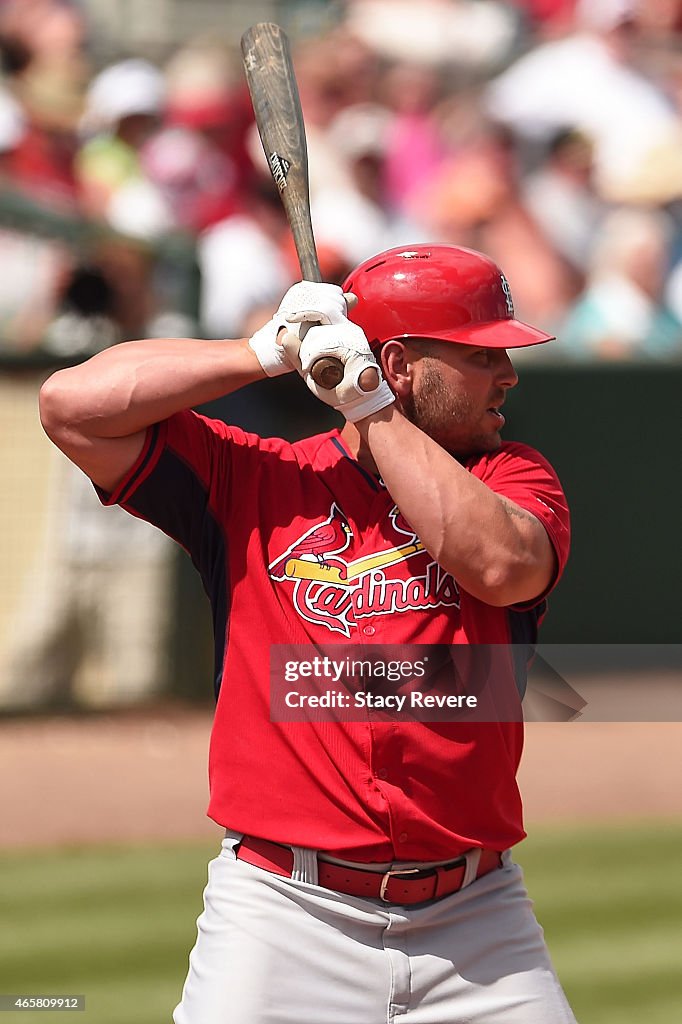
{"x": 366, "y": 875}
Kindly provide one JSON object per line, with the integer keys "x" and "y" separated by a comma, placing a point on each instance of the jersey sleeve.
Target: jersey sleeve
{"x": 522, "y": 474}
{"x": 182, "y": 482}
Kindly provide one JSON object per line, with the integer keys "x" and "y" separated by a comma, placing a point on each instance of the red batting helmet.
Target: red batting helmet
{"x": 443, "y": 292}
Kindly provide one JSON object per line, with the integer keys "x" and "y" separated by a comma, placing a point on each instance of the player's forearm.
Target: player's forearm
{"x": 130, "y": 386}
{"x": 497, "y": 551}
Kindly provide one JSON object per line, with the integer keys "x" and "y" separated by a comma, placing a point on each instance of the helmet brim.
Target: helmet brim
{"x": 494, "y": 334}
{"x": 500, "y": 334}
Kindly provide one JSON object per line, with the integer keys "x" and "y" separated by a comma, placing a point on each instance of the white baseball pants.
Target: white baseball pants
{"x": 271, "y": 950}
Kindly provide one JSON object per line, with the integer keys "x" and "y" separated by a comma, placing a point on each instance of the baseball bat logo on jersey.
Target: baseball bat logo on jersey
{"x": 333, "y": 591}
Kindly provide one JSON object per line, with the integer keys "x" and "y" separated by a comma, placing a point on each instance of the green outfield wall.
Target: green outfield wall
{"x": 614, "y": 435}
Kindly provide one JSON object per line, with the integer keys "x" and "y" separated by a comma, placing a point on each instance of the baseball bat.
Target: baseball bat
{"x": 276, "y": 104}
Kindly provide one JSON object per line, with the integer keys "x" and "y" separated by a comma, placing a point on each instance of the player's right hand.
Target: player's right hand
{"x": 362, "y": 389}
{"x": 304, "y": 304}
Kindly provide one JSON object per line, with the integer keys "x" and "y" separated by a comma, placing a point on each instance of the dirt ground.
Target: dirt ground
{"x": 140, "y": 776}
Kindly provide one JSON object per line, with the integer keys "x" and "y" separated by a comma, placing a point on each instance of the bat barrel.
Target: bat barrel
{"x": 277, "y": 108}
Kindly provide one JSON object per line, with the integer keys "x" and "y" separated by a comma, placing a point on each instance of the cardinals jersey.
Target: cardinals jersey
{"x": 298, "y": 544}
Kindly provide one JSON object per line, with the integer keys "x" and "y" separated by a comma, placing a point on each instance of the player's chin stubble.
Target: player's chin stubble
{"x": 447, "y": 416}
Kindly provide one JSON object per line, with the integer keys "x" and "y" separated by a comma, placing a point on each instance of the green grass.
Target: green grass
{"x": 610, "y": 902}
{"x": 116, "y": 924}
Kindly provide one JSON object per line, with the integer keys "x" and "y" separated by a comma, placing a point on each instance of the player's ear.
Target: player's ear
{"x": 398, "y": 367}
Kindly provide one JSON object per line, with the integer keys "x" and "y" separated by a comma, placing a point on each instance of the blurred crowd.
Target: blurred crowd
{"x": 547, "y": 133}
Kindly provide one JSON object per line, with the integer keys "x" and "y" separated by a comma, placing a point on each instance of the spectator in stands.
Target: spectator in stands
{"x": 354, "y": 216}
{"x": 560, "y": 195}
{"x": 476, "y": 201}
{"x": 333, "y": 73}
{"x": 589, "y": 80}
{"x": 621, "y": 314}
{"x": 123, "y": 107}
{"x": 243, "y": 263}
{"x": 199, "y": 159}
{"x": 42, "y": 47}
{"x": 414, "y": 148}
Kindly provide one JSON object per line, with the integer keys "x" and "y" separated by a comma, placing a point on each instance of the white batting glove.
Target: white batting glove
{"x": 346, "y": 342}
{"x": 305, "y": 303}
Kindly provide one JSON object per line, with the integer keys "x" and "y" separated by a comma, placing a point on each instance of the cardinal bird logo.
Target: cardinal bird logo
{"x": 317, "y": 546}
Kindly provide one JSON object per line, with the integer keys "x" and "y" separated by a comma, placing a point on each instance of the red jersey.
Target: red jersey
{"x": 298, "y": 544}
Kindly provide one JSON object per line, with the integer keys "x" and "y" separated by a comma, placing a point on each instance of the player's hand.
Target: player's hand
{"x": 362, "y": 389}
{"x": 305, "y": 303}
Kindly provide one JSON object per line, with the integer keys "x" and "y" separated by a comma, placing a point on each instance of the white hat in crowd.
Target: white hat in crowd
{"x": 122, "y": 90}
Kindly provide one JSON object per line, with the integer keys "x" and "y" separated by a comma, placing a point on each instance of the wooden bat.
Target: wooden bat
{"x": 277, "y": 106}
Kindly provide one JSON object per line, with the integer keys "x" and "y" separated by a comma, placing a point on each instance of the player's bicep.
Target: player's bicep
{"x": 106, "y": 460}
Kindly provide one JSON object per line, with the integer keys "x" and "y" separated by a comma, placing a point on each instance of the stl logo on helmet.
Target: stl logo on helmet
{"x": 507, "y": 295}
{"x": 332, "y": 591}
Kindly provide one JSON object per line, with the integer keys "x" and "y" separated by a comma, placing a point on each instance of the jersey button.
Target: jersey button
{"x": 369, "y": 630}
{"x": 402, "y": 838}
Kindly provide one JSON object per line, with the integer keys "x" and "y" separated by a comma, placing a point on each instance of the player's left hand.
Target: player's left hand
{"x": 305, "y": 303}
{"x": 362, "y": 389}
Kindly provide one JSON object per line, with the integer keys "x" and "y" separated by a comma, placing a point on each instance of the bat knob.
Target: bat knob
{"x": 327, "y": 372}
{"x": 369, "y": 379}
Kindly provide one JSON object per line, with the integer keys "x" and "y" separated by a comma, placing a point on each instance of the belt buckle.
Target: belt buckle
{"x": 389, "y": 874}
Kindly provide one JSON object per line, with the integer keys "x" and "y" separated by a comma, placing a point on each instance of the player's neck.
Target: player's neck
{"x": 358, "y": 448}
